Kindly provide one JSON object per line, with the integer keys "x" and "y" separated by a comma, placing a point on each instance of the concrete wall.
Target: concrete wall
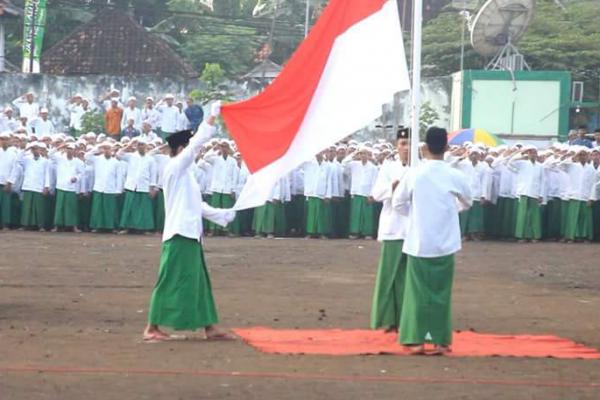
{"x": 54, "y": 92}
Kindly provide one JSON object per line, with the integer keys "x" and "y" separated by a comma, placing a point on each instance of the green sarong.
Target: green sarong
{"x": 377, "y": 208}
{"x": 138, "y": 211}
{"x": 66, "y": 213}
{"x": 50, "y": 207}
{"x": 362, "y": 215}
{"x": 529, "y": 219}
{"x": 220, "y": 200}
{"x": 182, "y": 298}
{"x": 341, "y": 217}
{"x": 269, "y": 219}
{"x": 5, "y": 207}
{"x": 471, "y": 220}
{"x": 427, "y": 304}
{"x": 294, "y": 211}
{"x": 34, "y": 210}
{"x": 318, "y": 217}
{"x": 389, "y": 286}
{"x": 159, "y": 211}
{"x": 15, "y": 210}
{"x": 596, "y": 220}
{"x": 564, "y": 213}
{"x": 85, "y": 211}
{"x": 104, "y": 211}
{"x": 579, "y": 221}
{"x": 553, "y": 219}
{"x": 509, "y": 216}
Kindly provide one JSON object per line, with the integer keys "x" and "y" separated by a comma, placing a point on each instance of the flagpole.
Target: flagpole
{"x": 416, "y": 81}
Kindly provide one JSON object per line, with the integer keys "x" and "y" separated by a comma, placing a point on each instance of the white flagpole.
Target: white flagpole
{"x": 416, "y": 81}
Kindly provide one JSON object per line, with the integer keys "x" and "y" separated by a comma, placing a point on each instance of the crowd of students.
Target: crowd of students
{"x": 113, "y": 182}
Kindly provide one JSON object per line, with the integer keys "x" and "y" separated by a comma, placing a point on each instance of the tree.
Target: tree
{"x": 429, "y": 116}
{"x": 558, "y": 39}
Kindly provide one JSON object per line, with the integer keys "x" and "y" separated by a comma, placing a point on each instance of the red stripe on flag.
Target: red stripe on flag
{"x": 264, "y": 126}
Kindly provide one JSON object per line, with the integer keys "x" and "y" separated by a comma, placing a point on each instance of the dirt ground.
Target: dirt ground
{"x": 72, "y": 309}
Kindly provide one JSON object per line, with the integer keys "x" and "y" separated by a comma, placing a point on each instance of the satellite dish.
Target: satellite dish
{"x": 496, "y": 29}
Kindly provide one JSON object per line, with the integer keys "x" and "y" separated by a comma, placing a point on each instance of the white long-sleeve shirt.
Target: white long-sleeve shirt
{"x": 297, "y": 182}
{"x": 392, "y": 224}
{"x": 579, "y": 180}
{"x": 76, "y": 113}
{"x": 168, "y": 118}
{"x": 42, "y": 127}
{"x": 35, "y": 173}
{"x": 182, "y": 122}
{"x": 67, "y": 171}
{"x": 428, "y": 195}
{"x": 184, "y": 208}
{"x": 106, "y": 173}
{"x": 530, "y": 178}
{"x": 318, "y": 181}
{"x": 161, "y": 161}
{"x": 224, "y": 173}
{"x": 26, "y": 109}
{"x": 8, "y": 159}
{"x": 362, "y": 177}
{"x": 141, "y": 171}
{"x": 151, "y": 116}
{"x": 132, "y": 113}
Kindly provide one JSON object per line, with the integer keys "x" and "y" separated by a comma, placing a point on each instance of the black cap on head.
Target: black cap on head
{"x": 403, "y": 133}
{"x": 181, "y": 138}
{"x": 436, "y": 140}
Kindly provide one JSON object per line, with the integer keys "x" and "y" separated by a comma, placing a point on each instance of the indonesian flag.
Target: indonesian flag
{"x": 335, "y": 84}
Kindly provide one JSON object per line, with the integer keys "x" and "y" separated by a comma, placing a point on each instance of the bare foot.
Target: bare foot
{"x": 439, "y": 350}
{"x": 214, "y": 333}
{"x": 54, "y": 230}
{"x": 415, "y": 350}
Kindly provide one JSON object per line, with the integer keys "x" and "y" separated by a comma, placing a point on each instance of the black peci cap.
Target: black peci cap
{"x": 403, "y": 133}
{"x": 181, "y": 138}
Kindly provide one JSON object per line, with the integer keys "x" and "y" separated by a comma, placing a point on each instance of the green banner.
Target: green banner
{"x": 33, "y": 34}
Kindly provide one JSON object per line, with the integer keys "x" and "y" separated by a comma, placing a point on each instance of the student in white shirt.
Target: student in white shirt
{"x": 389, "y": 285}
{"x": 242, "y": 225}
{"x": 363, "y": 174}
{"x": 76, "y": 113}
{"x": 595, "y": 191}
{"x": 579, "y": 220}
{"x": 104, "y": 215}
{"x": 150, "y": 114}
{"x": 8, "y": 158}
{"x": 140, "y": 188}
{"x": 168, "y": 116}
{"x": 430, "y": 195}
{"x": 269, "y": 219}
{"x": 530, "y": 189}
{"x": 69, "y": 172}
{"x": 131, "y": 112}
{"x": 318, "y": 192}
{"x": 8, "y": 122}
{"x": 182, "y": 121}
{"x": 182, "y": 298}
{"x": 224, "y": 179}
{"x": 42, "y": 125}
{"x": 35, "y": 187}
{"x": 161, "y": 158}
{"x": 28, "y": 107}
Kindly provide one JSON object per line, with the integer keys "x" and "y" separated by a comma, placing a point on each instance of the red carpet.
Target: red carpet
{"x": 337, "y": 342}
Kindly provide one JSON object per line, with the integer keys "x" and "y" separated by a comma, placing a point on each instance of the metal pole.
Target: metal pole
{"x": 33, "y": 22}
{"x": 1, "y": 47}
{"x": 462, "y": 40}
{"x": 307, "y": 18}
{"x": 416, "y": 81}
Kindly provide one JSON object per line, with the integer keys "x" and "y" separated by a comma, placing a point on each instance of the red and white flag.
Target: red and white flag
{"x": 351, "y": 63}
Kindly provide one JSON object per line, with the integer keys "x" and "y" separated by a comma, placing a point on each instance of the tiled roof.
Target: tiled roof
{"x": 113, "y": 43}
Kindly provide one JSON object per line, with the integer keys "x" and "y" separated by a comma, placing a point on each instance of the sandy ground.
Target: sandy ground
{"x": 72, "y": 309}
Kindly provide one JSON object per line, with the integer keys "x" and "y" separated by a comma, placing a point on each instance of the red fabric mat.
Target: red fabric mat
{"x": 338, "y": 342}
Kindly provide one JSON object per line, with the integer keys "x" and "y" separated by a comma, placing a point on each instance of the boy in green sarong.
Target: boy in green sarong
{"x": 428, "y": 195}
{"x": 182, "y": 298}
{"x": 69, "y": 172}
{"x": 389, "y": 284}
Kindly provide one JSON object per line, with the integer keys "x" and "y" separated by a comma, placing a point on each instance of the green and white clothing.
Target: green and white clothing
{"x": 182, "y": 297}
{"x": 138, "y": 206}
{"x": 223, "y": 183}
{"x": 107, "y": 175}
{"x": 531, "y": 187}
{"x": 362, "y": 211}
{"x": 579, "y": 218}
{"x": 8, "y": 159}
{"x": 35, "y": 182}
{"x": 479, "y": 176}
{"x": 318, "y": 192}
{"x": 431, "y": 192}
{"x": 388, "y": 294}
{"x": 69, "y": 173}
{"x": 270, "y": 219}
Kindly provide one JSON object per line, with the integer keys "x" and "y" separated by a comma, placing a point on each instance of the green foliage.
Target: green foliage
{"x": 213, "y": 77}
{"x": 557, "y": 39}
{"x": 92, "y": 122}
{"x": 429, "y": 116}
